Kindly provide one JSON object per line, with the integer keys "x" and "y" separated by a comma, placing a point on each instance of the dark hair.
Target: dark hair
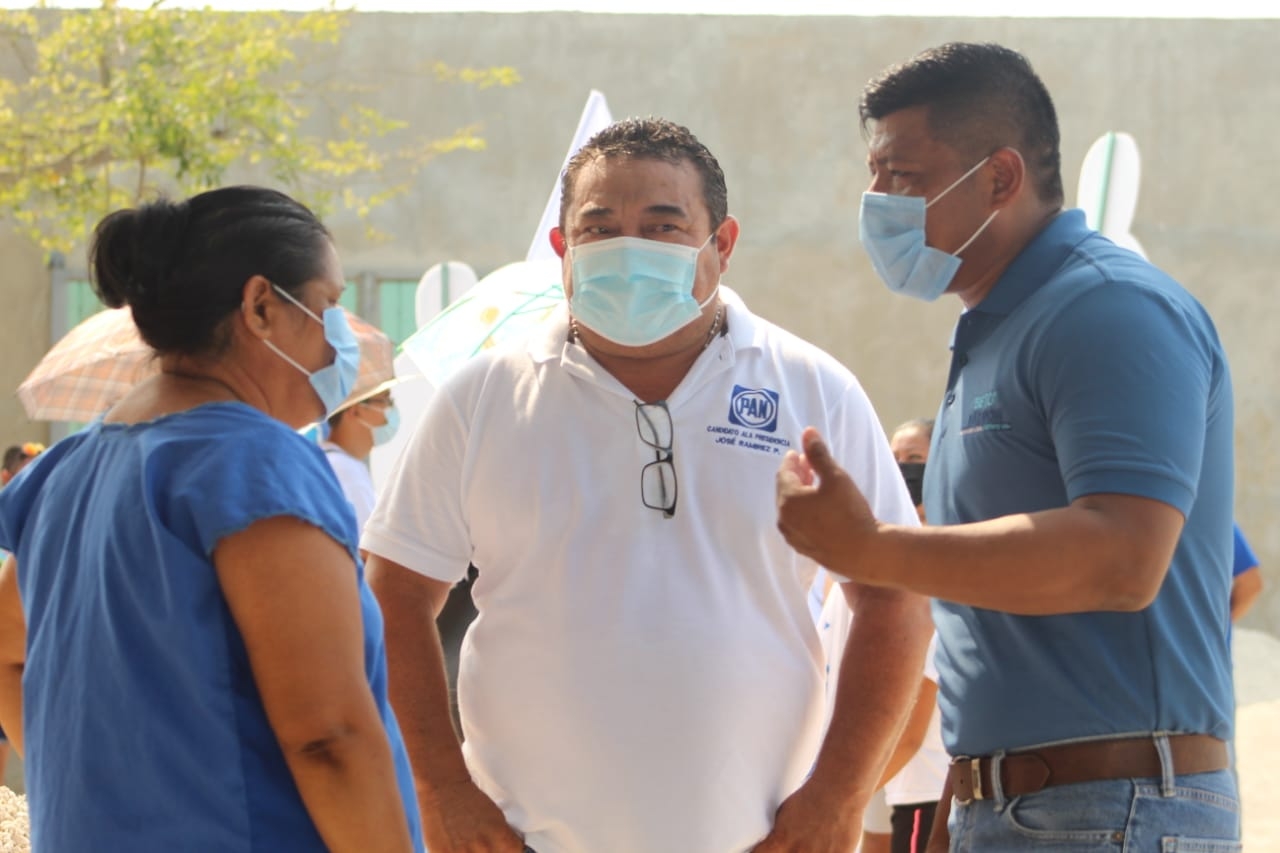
{"x": 181, "y": 266}
{"x": 980, "y": 98}
{"x": 651, "y": 139}
{"x": 12, "y": 456}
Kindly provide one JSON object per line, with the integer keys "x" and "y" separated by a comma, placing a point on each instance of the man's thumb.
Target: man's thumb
{"x": 817, "y": 454}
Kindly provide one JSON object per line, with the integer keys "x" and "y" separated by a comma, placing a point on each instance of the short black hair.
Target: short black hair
{"x": 651, "y": 139}
{"x": 12, "y": 456}
{"x": 980, "y": 98}
{"x": 181, "y": 266}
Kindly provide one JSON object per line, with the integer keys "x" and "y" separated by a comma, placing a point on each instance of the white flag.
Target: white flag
{"x": 595, "y": 118}
{"x": 1108, "y": 188}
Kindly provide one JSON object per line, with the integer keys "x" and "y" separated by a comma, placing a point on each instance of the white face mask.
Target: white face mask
{"x": 635, "y": 292}
{"x": 387, "y": 431}
{"x": 334, "y": 382}
{"x": 891, "y": 228}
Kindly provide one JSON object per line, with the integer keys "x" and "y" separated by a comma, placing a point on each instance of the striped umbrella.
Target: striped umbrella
{"x": 86, "y": 372}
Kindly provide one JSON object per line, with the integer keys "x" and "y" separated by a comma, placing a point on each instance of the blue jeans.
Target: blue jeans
{"x": 1196, "y": 813}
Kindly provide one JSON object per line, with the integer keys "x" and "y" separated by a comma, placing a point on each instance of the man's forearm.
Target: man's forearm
{"x": 419, "y": 692}
{"x": 11, "y": 705}
{"x": 1245, "y": 589}
{"x": 878, "y": 681}
{"x": 1101, "y": 553}
{"x": 417, "y": 683}
{"x": 456, "y": 814}
{"x": 913, "y": 734}
{"x": 13, "y": 652}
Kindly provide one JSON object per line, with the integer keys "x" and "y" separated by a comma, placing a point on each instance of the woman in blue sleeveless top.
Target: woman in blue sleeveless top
{"x": 190, "y": 658}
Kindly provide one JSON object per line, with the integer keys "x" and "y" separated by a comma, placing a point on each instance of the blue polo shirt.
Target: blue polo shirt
{"x": 1086, "y": 370}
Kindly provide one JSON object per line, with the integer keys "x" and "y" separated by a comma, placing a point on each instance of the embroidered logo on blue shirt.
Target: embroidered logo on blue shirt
{"x": 985, "y": 415}
{"x": 754, "y": 408}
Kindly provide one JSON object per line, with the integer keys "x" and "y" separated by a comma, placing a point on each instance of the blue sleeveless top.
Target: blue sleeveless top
{"x": 144, "y": 728}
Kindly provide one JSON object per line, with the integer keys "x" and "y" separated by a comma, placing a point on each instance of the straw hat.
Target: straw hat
{"x": 377, "y": 368}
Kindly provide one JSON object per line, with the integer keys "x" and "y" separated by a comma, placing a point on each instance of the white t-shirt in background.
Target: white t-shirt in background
{"x": 353, "y": 476}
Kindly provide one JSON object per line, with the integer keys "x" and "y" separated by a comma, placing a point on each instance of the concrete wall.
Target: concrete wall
{"x": 776, "y": 99}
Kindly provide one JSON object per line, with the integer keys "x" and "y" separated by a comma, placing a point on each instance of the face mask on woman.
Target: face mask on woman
{"x": 334, "y": 382}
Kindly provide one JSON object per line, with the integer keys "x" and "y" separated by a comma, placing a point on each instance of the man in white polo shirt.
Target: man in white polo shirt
{"x": 643, "y": 674}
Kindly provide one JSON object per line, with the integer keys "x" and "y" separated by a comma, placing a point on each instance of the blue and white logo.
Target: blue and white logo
{"x": 985, "y": 415}
{"x": 754, "y": 408}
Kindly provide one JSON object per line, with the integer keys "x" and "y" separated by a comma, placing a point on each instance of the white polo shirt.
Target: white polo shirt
{"x": 633, "y": 683}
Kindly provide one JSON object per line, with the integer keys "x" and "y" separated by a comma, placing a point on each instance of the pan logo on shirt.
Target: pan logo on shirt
{"x": 754, "y": 408}
{"x": 754, "y": 415}
{"x": 985, "y": 415}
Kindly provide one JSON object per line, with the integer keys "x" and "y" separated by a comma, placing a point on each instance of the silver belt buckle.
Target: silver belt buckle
{"x": 975, "y": 770}
{"x": 975, "y": 778}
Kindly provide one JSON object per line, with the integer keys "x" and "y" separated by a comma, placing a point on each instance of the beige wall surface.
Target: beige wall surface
{"x": 776, "y": 99}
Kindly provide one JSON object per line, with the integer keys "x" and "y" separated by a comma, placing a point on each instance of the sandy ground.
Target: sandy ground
{"x": 1257, "y": 662}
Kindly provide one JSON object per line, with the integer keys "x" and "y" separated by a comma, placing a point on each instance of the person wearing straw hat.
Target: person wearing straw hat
{"x": 190, "y": 658}
{"x": 353, "y": 431}
{"x": 367, "y": 418}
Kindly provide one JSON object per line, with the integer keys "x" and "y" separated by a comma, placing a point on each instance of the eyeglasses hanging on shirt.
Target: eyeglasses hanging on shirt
{"x": 658, "y": 488}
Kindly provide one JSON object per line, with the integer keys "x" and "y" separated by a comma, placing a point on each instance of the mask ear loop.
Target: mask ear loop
{"x": 958, "y": 181}
{"x": 303, "y": 308}
{"x": 285, "y": 356}
{"x": 716, "y": 290}
{"x": 977, "y": 234}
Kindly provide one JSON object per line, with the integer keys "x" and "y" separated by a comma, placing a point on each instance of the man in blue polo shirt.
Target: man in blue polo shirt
{"x": 1080, "y": 472}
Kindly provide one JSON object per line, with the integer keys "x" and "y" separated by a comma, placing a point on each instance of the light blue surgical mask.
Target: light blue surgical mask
{"x": 386, "y": 432}
{"x": 891, "y": 228}
{"x": 635, "y": 292}
{"x": 334, "y": 382}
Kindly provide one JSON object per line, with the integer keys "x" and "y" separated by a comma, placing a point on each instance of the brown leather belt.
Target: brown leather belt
{"x": 1089, "y": 761}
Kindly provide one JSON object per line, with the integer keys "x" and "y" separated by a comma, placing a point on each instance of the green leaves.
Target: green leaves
{"x": 118, "y": 104}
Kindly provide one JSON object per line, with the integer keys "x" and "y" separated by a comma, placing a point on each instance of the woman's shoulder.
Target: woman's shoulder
{"x": 240, "y": 436}
{"x": 231, "y": 466}
{"x": 227, "y": 428}
{"x": 220, "y": 416}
